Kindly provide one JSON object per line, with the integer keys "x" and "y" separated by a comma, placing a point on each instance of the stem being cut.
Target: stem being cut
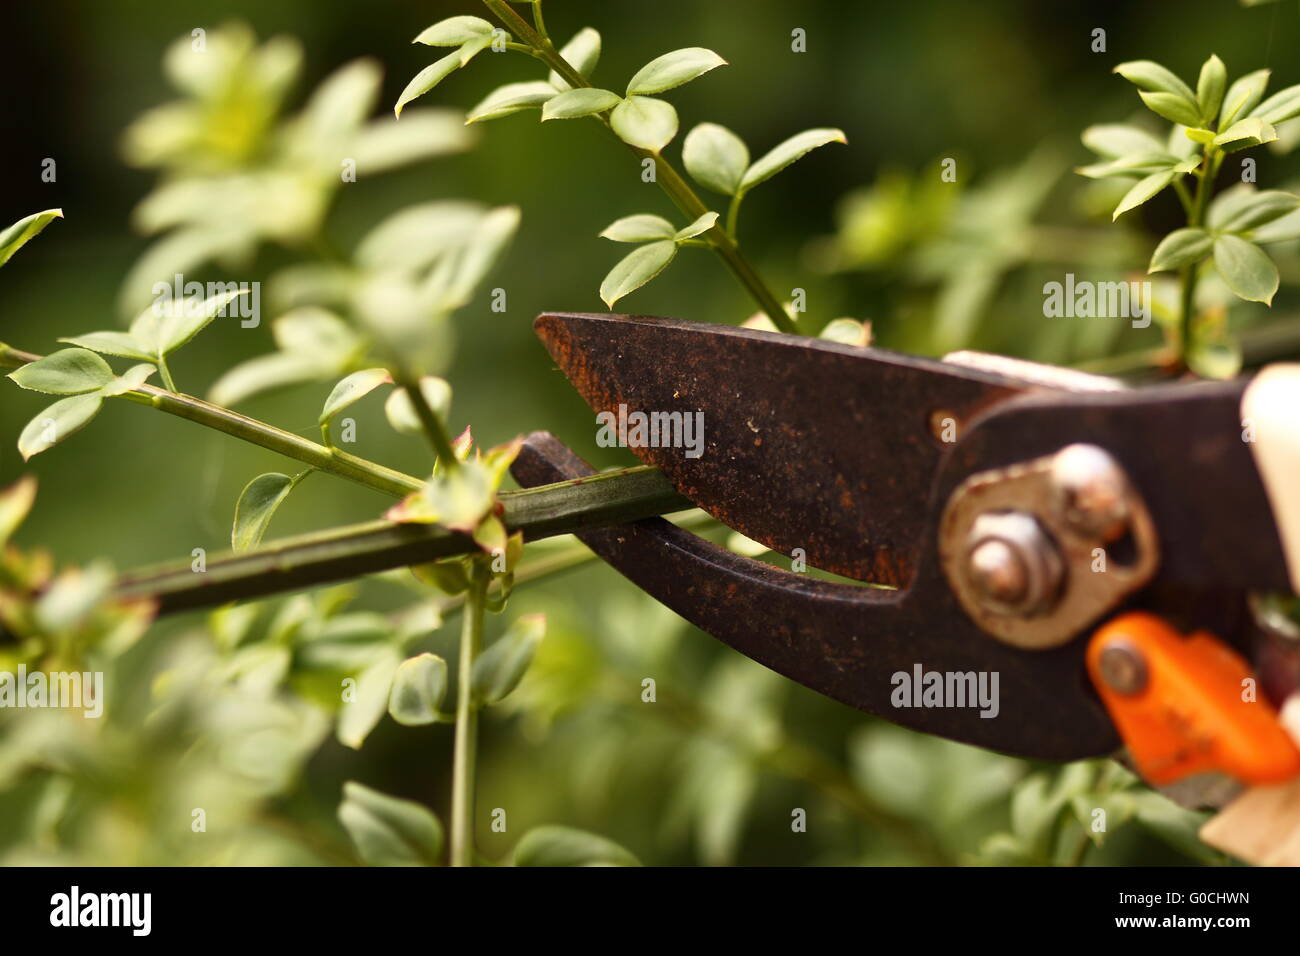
{"x": 466, "y": 743}
{"x": 666, "y": 175}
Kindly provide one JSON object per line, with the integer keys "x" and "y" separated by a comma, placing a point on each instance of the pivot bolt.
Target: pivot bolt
{"x": 1123, "y": 667}
{"x": 1012, "y": 565}
{"x": 1090, "y": 493}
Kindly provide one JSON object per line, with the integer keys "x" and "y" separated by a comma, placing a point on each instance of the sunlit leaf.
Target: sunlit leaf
{"x": 1210, "y": 86}
{"x": 360, "y": 715}
{"x": 565, "y": 846}
{"x": 112, "y": 343}
{"x": 644, "y": 122}
{"x": 1183, "y": 247}
{"x": 51, "y": 426}
{"x": 673, "y": 69}
{"x": 502, "y": 666}
{"x": 15, "y": 503}
{"x": 1149, "y": 75}
{"x": 1242, "y": 97}
{"x": 642, "y": 227}
{"x": 1246, "y": 268}
{"x": 350, "y": 390}
{"x": 65, "y": 372}
{"x": 1143, "y": 190}
{"x": 1243, "y": 134}
{"x": 400, "y": 411}
{"x": 582, "y": 53}
{"x": 454, "y": 31}
{"x": 1282, "y": 105}
{"x": 129, "y": 381}
{"x": 715, "y": 157}
{"x": 701, "y": 225}
{"x": 1175, "y": 108}
{"x": 1243, "y": 208}
{"x": 786, "y": 153}
{"x": 584, "y": 101}
{"x": 1113, "y": 140}
{"x": 419, "y": 687}
{"x": 257, "y": 505}
{"x": 16, "y": 236}
{"x": 427, "y": 79}
{"x": 636, "y": 269}
{"x": 511, "y": 98}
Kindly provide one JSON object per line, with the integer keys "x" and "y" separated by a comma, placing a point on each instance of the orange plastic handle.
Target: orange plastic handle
{"x": 1187, "y": 705}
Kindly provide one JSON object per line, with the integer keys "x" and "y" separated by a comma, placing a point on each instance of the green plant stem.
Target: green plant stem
{"x": 466, "y": 742}
{"x": 1191, "y": 273}
{"x": 321, "y": 457}
{"x": 666, "y": 175}
{"x": 581, "y": 504}
{"x": 433, "y": 428}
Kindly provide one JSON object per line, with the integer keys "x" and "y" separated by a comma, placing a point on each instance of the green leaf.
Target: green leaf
{"x": 15, "y": 503}
{"x": 65, "y": 372}
{"x": 17, "y": 235}
{"x": 1209, "y": 88}
{"x": 698, "y": 227}
{"x": 582, "y": 53}
{"x": 636, "y": 269}
{"x": 112, "y": 343}
{"x": 164, "y": 328}
{"x": 457, "y": 499}
{"x": 1247, "y": 269}
{"x": 1242, "y": 208}
{"x": 643, "y": 227}
{"x": 482, "y": 248}
{"x": 584, "y": 101}
{"x": 454, "y": 31}
{"x": 1149, "y": 75}
{"x": 427, "y": 79}
{"x": 263, "y": 373}
{"x": 1134, "y": 164}
{"x": 360, "y": 716}
{"x": 716, "y": 158}
{"x": 400, "y": 412}
{"x": 317, "y": 334}
{"x": 847, "y": 332}
{"x": 1182, "y": 247}
{"x": 502, "y": 666}
{"x": 419, "y": 687}
{"x": 511, "y": 98}
{"x": 388, "y": 831}
{"x": 350, "y": 390}
{"x": 786, "y": 153}
{"x": 57, "y": 422}
{"x": 1242, "y": 97}
{"x": 673, "y": 69}
{"x": 1282, "y": 105}
{"x": 644, "y": 122}
{"x": 129, "y": 381}
{"x": 257, "y": 504}
{"x": 1171, "y": 106}
{"x": 1244, "y": 134}
{"x": 566, "y": 846}
{"x": 1142, "y": 191}
{"x": 1113, "y": 140}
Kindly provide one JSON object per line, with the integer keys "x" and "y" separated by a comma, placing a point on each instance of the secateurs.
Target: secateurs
{"x": 1095, "y": 547}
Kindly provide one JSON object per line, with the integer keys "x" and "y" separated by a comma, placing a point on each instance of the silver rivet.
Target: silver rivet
{"x": 1011, "y": 563}
{"x": 1123, "y": 667}
{"x": 1090, "y": 492}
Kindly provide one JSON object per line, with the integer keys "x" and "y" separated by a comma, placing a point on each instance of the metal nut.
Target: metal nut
{"x": 1089, "y": 492}
{"x": 1123, "y": 667}
{"x": 1012, "y": 565}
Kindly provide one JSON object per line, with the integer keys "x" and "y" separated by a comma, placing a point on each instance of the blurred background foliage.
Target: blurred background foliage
{"x": 713, "y": 770}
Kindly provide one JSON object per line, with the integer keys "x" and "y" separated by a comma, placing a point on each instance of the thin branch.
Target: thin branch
{"x": 465, "y": 747}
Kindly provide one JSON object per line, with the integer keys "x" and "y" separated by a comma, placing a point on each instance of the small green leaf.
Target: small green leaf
{"x": 1143, "y": 190}
{"x": 1247, "y": 269}
{"x": 1183, "y": 247}
{"x": 636, "y": 269}
{"x": 65, "y": 372}
{"x": 1282, "y": 105}
{"x": 1243, "y": 134}
{"x": 643, "y": 227}
{"x": 419, "y": 687}
{"x": 847, "y": 332}
{"x": 673, "y": 69}
{"x": 511, "y": 98}
{"x": 427, "y": 79}
{"x": 446, "y": 576}
{"x": 716, "y": 158}
{"x": 1209, "y": 88}
{"x": 15, "y": 503}
{"x": 1171, "y": 106}
{"x": 454, "y": 31}
{"x": 17, "y": 235}
{"x": 698, "y": 227}
{"x": 401, "y": 413}
{"x": 57, "y": 422}
{"x": 388, "y": 831}
{"x": 1113, "y": 140}
{"x": 786, "y": 153}
{"x": 263, "y": 373}
{"x": 352, "y": 389}
{"x": 1133, "y": 164}
{"x": 128, "y": 381}
{"x": 457, "y": 499}
{"x": 1243, "y": 208}
{"x": 502, "y": 666}
{"x": 1242, "y": 97}
{"x": 645, "y": 122}
{"x": 370, "y": 701}
{"x": 1149, "y": 75}
{"x": 256, "y": 506}
{"x": 584, "y": 101}
{"x": 566, "y": 846}
{"x": 582, "y": 53}
{"x": 166, "y": 327}
{"x": 112, "y": 343}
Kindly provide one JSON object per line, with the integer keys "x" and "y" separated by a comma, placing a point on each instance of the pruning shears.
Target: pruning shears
{"x": 1098, "y": 548}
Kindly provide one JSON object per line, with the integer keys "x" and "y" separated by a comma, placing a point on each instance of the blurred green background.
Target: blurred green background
{"x": 1004, "y": 87}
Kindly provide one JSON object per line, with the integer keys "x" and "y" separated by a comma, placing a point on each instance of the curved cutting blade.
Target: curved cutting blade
{"x": 806, "y": 444}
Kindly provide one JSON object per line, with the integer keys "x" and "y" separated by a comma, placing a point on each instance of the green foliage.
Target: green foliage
{"x": 387, "y": 831}
{"x": 565, "y": 846}
{"x": 20, "y": 233}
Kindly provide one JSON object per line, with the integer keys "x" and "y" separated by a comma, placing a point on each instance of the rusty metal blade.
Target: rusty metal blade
{"x": 807, "y": 444}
